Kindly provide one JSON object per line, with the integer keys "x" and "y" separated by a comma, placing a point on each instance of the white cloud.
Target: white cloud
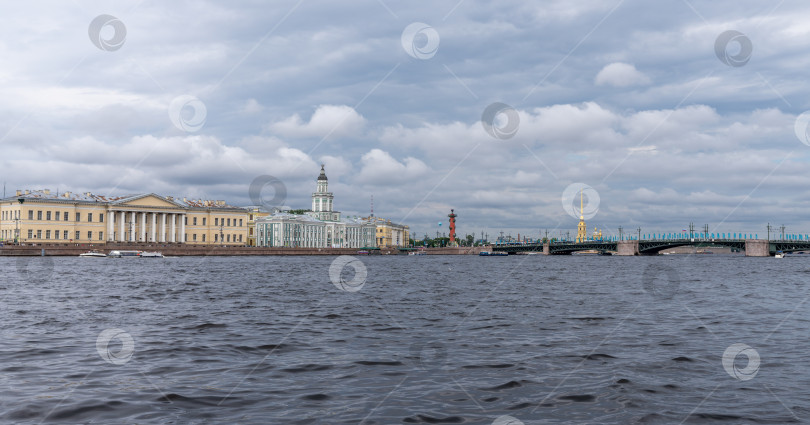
{"x": 328, "y": 121}
{"x": 380, "y": 168}
{"x": 620, "y": 74}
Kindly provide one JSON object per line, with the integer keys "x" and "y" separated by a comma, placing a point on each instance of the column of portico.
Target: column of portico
{"x": 110, "y": 225}
{"x": 121, "y": 219}
{"x": 143, "y": 228}
{"x": 132, "y": 226}
{"x": 173, "y": 219}
{"x": 182, "y": 218}
{"x": 152, "y": 229}
{"x": 162, "y": 227}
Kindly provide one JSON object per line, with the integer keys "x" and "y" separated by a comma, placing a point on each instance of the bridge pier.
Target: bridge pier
{"x": 546, "y": 248}
{"x": 757, "y": 248}
{"x": 627, "y": 248}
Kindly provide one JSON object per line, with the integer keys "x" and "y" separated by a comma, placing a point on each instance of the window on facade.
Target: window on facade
{"x": 101, "y": 236}
{"x": 39, "y": 234}
{"x": 203, "y": 221}
{"x": 89, "y": 234}
{"x": 64, "y": 235}
{"x": 229, "y": 223}
{"x": 216, "y": 237}
{"x": 240, "y": 238}
{"x": 216, "y": 221}
{"x": 39, "y": 215}
{"x": 185, "y": 220}
{"x": 56, "y": 216}
{"x": 30, "y": 233}
{"x": 47, "y": 215}
{"x": 56, "y": 234}
{"x": 30, "y": 214}
{"x": 240, "y": 222}
{"x": 229, "y": 238}
{"x": 89, "y": 217}
{"x": 194, "y": 237}
{"x": 78, "y": 218}
{"x": 66, "y": 216}
{"x": 195, "y": 221}
{"x": 47, "y": 234}
{"x": 101, "y": 217}
{"x": 203, "y": 236}
{"x": 77, "y": 235}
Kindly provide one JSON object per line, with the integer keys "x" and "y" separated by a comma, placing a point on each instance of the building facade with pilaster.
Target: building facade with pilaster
{"x": 41, "y": 216}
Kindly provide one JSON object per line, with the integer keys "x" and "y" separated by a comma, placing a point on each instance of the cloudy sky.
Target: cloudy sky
{"x": 668, "y": 112}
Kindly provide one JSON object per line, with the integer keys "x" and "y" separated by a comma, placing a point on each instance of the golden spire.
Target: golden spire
{"x": 581, "y": 215}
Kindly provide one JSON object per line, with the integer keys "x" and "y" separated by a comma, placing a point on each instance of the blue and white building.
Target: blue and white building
{"x": 322, "y": 227}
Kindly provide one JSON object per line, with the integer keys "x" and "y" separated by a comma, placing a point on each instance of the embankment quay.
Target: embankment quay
{"x": 179, "y": 250}
{"x": 752, "y": 247}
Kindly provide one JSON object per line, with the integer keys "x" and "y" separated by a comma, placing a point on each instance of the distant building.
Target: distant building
{"x": 43, "y": 216}
{"x": 390, "y": 235}
{"x": 322, "y": 227}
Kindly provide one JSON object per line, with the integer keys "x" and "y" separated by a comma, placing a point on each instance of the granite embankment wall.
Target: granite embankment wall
{"x": 176, "y": 250}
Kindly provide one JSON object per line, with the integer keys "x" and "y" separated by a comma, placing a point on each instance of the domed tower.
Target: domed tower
{"x": 322, "y": 198}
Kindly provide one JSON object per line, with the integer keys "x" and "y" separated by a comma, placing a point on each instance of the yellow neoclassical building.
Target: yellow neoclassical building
{"x": 41, "y": 216}
{"x": 390, "y": 235}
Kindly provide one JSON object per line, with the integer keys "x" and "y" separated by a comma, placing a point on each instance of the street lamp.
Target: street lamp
{"x": 621, "y": 237}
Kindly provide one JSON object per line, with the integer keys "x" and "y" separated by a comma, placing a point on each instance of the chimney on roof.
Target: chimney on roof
{"x": 19, "y": 192}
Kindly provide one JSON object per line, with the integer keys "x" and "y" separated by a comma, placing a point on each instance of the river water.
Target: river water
{"x": 419, "y": 339}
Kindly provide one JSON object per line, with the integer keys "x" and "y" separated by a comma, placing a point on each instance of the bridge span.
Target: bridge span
{"x": 752, "y": 247}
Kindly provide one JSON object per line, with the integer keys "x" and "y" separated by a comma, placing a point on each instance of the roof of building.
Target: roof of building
{"x": 308, "y": 218}
{"x": 322, "y": 177}
{"x": 86, "y": 197}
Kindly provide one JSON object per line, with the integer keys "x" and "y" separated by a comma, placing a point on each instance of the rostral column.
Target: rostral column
{"x": 452, "y": 216}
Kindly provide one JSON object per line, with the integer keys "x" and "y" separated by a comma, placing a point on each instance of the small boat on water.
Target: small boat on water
{"x": 493, "y": 254}
{"x": 93, "y": 253}
{"x": 362, "y": 252}
{"x": 779, "y": 254}
{"x": 119, "y": 254}
{"x": 148, "y": 254}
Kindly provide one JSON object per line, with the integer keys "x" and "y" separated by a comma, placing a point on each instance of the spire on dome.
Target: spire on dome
{"x": 323, "y": 174}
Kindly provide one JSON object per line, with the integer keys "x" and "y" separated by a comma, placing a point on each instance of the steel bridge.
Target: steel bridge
{"x": 653, "y": 247}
